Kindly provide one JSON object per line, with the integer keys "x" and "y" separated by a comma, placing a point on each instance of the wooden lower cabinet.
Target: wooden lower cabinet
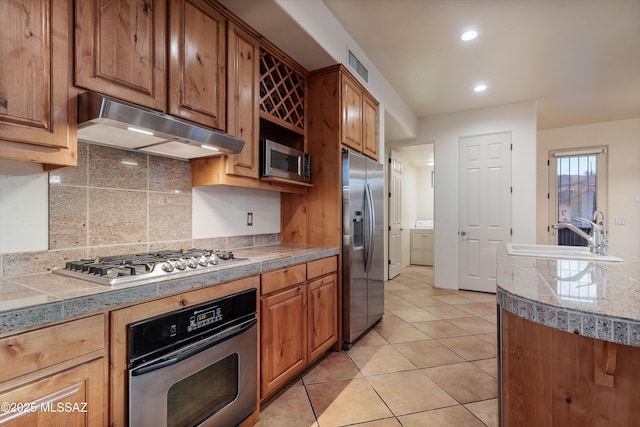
{"x": 323, "y": 316}
{"x": 283, "y": 329}
{"x": 73, "y": 397}
{"x": 56, "y": 375}
{"x": 298, "y": 320}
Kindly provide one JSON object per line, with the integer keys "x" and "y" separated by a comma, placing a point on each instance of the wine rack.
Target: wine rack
{"x": 281, "y": 92}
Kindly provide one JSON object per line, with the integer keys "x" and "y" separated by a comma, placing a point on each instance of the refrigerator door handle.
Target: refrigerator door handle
{"x": 372, "y": 227}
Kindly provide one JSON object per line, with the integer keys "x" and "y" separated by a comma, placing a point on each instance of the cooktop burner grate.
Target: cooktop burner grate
{"x": 117, "y": 269}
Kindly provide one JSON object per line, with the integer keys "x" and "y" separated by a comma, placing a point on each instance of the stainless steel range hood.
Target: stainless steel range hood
{"x": 108, "y": 121}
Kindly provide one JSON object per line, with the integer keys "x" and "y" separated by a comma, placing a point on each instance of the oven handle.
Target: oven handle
{"x": 186, "y": 352}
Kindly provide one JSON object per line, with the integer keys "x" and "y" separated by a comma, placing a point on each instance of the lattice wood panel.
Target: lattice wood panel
{"x": 281, "y": 90}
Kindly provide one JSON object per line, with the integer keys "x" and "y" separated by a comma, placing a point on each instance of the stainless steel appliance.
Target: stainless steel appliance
{"x": 280, "y": 161}
{"x": 118, "y": 269}
{"x": 108, "y": 121}
{"x": 362, "y": 245}
{"x": 196, "y": 366}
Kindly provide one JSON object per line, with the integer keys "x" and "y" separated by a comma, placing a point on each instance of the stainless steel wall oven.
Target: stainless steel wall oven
{"x": 196, "y": 366}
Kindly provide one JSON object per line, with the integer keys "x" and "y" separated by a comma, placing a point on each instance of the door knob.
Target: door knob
{"x": 463, "y": 233}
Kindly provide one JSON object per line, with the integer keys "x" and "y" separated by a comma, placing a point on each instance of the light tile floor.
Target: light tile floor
{"x": 430, "y": 362}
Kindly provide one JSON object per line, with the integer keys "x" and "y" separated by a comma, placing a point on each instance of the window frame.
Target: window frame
{"x": 602, "y": 168}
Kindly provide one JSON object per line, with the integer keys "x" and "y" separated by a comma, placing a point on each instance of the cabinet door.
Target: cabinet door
{"x": 197, "y": 63}
{"x": 120, "y": 49}
{"x": 323, "y": 316}
{"x": 283, "y": 344}
{"x": 351, "y": 114}
{"x": 74, "y": 397}
{"x": 35, "y": 99}
{"x": 370, "y": 127}
{"x": 243, "y": 74}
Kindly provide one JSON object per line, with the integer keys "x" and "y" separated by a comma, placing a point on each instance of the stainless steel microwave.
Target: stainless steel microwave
{"x": 280, "y": 161}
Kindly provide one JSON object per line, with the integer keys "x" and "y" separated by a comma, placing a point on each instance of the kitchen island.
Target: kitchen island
{"x": 569, "y": 341}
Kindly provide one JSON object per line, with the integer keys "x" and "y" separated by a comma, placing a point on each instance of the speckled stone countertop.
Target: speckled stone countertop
{"x": 595, "y": 299}
{"x": 32, "y": 300}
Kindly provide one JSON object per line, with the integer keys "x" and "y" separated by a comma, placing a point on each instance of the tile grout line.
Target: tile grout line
{"x": 418, "y": 283}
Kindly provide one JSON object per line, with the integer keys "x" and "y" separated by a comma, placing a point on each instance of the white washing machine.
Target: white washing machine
{"x": 422, "y": 238}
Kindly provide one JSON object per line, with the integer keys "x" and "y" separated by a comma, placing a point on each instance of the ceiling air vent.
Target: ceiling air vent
{"x": 357, "y": 66}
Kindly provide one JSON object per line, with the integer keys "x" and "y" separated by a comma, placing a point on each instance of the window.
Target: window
{"x": 577, "y": 180}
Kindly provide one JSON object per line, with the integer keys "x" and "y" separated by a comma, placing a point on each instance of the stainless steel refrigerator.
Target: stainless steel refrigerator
{"x": 362, "y": 245}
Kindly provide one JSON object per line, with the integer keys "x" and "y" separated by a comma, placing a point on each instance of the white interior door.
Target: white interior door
{"x": 485, "y": 207}
{"x": 395, "y": 214}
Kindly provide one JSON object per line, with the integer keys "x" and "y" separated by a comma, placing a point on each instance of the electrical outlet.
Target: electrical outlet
{"x": 249, "y": 219}
{"x": 619, "y": 221}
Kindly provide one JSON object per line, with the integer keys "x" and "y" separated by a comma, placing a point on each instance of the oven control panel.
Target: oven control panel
{"x": 202, "y": 318}
{"x": 165, "y": 332}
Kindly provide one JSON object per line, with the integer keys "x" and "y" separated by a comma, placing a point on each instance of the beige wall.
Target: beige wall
{"x": 623, "y": 139}
{"x": 446, "y": 130}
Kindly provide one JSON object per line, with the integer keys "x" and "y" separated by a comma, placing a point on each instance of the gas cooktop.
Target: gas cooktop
{"x": 118, "y": 269}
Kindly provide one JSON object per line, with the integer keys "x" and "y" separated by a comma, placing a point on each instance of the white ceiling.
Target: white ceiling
{"x": 580, "y": 59}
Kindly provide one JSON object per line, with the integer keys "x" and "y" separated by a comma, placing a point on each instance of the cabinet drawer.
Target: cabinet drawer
{"x": 281, "y": 279}
{"x": 24, "y": 353}
{"x": 321, "y": 267}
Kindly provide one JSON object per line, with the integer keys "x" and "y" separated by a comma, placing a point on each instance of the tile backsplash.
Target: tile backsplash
{"x": 116, "y": 202}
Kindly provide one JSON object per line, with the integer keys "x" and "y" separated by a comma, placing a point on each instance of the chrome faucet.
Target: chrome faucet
{"x": 596, "y": 239}
{"x": 604, "y": 242}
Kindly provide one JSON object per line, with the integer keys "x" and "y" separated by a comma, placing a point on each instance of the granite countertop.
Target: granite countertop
{"x": 595, "y": 299}
{"x": 32, "y": 300}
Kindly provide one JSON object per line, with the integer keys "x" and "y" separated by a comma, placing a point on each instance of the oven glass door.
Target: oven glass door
{"x": 204, "y": 393}
{"x": 213, "y": 383}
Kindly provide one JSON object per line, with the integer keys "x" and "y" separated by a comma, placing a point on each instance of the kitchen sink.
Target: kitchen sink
{"x": 551, "y": 251}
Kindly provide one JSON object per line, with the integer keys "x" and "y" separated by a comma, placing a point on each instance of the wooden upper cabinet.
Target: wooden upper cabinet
{"x": 197, "y": 63}
{"x": 120, "y": 49}
{"x": 351, "y": 114}
{"x": 282, "y": 90}
{"x": 36, "y": 102}
{"x": 370, "y": 126}
{"x": 243, "y": 73}
{"x": 359, "y": 117}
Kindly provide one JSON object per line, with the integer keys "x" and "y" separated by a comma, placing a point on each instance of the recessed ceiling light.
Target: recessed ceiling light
{"x": 468, "y": 35}
{"x": 480, "y": 88}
